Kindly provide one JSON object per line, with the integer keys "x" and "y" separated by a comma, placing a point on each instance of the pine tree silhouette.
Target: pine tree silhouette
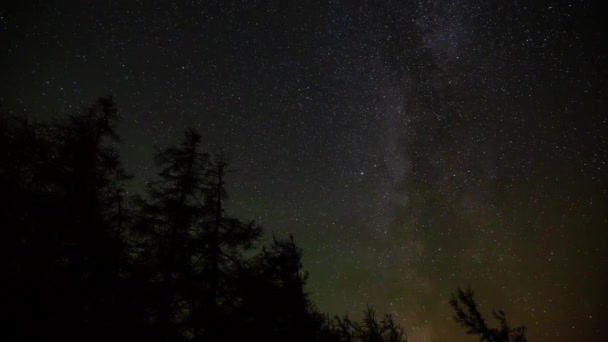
{"x": 469, "y": 317}
{"x": 275, "y": 306}
{"x": 90, "y": 263}
{"x": 370, "y": 329}
{"x": 174, "y": 205}
{"x": 221, "y": 242}
{"x": 65, "y": 177}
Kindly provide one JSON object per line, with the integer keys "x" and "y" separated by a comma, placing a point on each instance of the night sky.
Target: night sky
{"x": 410, "y": 147}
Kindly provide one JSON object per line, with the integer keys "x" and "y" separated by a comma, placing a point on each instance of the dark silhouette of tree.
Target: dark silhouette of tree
{"x": 275, "y": 305}
{"x": 87, "y": 262}
{"x": 221, "y": 241}
{"x": 370, "y": 329}
{"x": 65, "y": 180}
{"x": 175, "y": 203}
{"x": 89, "y": 178}
{"x": 197, "y": 246}
{"x": 26, "y": 207}
{"x": 469, "y": 317}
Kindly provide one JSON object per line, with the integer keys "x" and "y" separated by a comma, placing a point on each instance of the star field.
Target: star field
{"x": 410, "y": 147}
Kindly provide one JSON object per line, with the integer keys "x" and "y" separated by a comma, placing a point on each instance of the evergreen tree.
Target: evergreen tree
{"x": 221, "y": 243}
{"x": 370, "y": 329}
{"x": 275, "y": 304}
{"x": 89, "y": 175}
{"x": 196, "y": 247}
{"x": 175, "y": 204}
{"x": 469, "y": 317}
{"x": 64, "y": 179}
{"x": 87, "y": 264}
{"x": 26, "y": 209}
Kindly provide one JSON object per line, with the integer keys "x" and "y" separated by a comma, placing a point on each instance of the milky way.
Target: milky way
{"x": 410, "y": 147}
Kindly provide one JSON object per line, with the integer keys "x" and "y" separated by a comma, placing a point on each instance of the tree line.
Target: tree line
{"x": 88, "y": 262}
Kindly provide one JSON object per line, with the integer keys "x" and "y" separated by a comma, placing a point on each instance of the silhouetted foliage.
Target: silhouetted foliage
{"x": 175, "y": 203}
{"x": 273, "y": 304}
{"x": 223, "y": 239}
{"x": 370, "y": 329}
{"x": 88, "y": 262}
{"x": 65, "y": 183}
{"x": 469, "y": 317}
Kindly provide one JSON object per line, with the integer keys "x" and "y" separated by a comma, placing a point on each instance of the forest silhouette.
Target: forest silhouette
{"x": 88, "y": 262}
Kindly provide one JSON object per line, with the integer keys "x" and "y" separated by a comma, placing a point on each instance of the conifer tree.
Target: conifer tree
{"x": 469, "y": 317}
{"x": 88, "y": 176}
{"x": 64, "y": 179}
{"x": 87, "y": 266}
{"x": 175, "y": 204}
{"x": 275, "y": 304}
{"x": 222, "y": 241}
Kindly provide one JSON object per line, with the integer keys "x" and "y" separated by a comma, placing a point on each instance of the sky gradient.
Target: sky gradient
{"x": 410, "y": 147}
